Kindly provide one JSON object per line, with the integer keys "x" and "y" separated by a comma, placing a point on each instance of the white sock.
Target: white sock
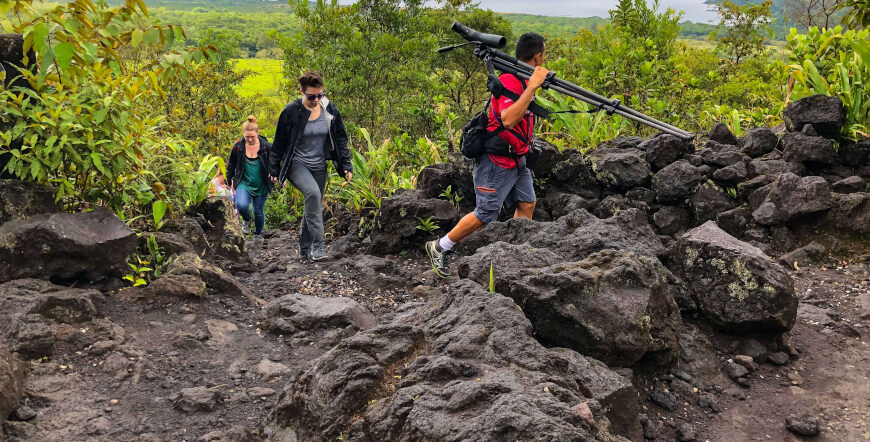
{"x": 446, "y": 244}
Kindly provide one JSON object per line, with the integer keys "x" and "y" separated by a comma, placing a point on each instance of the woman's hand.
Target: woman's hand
{"x": 348, "y": 174}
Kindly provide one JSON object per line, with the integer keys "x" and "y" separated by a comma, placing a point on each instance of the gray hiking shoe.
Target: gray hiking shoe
{"x": 439, "y": 260}
{"x": 246, "y": 227}
{"x": 319, "y": 255}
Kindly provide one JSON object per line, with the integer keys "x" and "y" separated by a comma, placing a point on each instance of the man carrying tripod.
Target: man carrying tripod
{"x": 500, "y": 178}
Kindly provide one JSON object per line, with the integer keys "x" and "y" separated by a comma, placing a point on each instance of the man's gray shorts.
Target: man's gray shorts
{"x": 494, "y": 186}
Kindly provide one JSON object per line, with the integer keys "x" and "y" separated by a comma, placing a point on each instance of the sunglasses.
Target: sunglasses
{"x": 313, "y": 97}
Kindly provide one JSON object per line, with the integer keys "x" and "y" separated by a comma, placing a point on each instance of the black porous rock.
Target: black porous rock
{"x": 664, "y": 399}
{"x": 736, "y": 286}
{"x": 774, "y": 167}
{"x": 457, "y": 175}
{"x": 620, "y": 168}
{"x": 572, "y": 237}
{"x": 664, "y": 149}
{"x": 295, "y": 312}
{"x": 12, "y": 372}
{"x": 758, "y": 141}
{"x": 802, "y": 424}
{"x": 188, "y": 230}
{"x": 857, "y": 154}
{"x": 734, "y": 221}
{"x": 710, "y": 200}
{"x": 575, "y": 175}
{"x": 851, "y": 184}
{"x": 612, "y": 204}
{"x": 721, "y": 134}
{"x": 396, "y": 225}
{"x": 89, "y": 246}
{"x": 826, "y": 114}
{"x": 791, "y": 196}
{"x": 800, "y": 148}
{"x": 20, "y": 199}
{"x": 732, "y": 174}
{"x": 670, "y": 220}
{"x": 809, "y": 254}
{"x": 417, "y": 376}
{"x": 849, "y": 214}
{"x": 224, "y": 234}
{"x": 677, "y": 181}
{"x": 616, "y": 307}
{"x": 560, "y": 204}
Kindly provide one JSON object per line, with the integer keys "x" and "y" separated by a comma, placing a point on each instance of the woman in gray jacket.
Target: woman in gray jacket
{"x": 310, "y": 131}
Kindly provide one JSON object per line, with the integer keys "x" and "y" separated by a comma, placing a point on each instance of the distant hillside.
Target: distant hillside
{"x": 546, "y": 25}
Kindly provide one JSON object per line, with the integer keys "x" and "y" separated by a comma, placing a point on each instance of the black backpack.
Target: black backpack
{"x": 477, "y": 140}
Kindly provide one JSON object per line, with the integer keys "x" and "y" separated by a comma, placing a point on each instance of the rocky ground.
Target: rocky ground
{"x": 210, "y": 369}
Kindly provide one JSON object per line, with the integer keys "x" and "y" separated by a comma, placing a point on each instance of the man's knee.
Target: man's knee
{"x": 486, "y": 216}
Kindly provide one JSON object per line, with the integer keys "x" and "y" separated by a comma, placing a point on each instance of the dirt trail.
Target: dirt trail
{"x": 831, "y": 377}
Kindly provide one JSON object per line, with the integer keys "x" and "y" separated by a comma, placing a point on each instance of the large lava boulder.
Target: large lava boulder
{"x": 825, "y": 114}
{"x": 463, "y": 368}
{"x": 29, "y": 307}
{"x": 722, "y": 135}
{"x": 758, "y": 141}
{"x": 621, "y": 168}
{"x": 800, "y": 148}
{"x": 224, "y": 234}
{"x": 20, "y": 199}
{"x": 395, "y": 227}
{"x": 11, "y": 383}
{"x": 677, "y": 181}
{"x": 791, "y": 196}
{"x": 664, "y": 149}
{"x": 89, "y": 246}
{"x": 709, "y": 200}
{"x": 572, "y": 237}
{"x": 457, "y": 174}
{"x": 575, "y": 175}
{"x": 295, "y": 312}
{"x": 735, "y": 286}
{"x": 849, "y": 214}
{"x": 613, "y": 306}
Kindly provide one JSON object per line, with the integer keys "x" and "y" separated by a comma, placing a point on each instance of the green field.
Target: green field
{"x": 265, "y": 78}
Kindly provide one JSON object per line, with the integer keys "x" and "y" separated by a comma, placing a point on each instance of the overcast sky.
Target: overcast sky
{"x": 696, "y": 10}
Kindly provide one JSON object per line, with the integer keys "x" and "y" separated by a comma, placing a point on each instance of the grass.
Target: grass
{"x": 265, "y": 80}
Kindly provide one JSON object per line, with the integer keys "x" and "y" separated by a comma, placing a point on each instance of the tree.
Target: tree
{"x": 858, "y": 14}
{"x": 84, "y": 122}
{"x": 744, "y": 27}
{"x": 809, "y": 13}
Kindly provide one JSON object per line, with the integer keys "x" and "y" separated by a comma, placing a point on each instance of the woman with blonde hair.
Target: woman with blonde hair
{"x": 248, "y": 174}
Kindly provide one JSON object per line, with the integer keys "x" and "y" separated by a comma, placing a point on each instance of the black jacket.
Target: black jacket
{"x": 291, "y": 125}
{"x": 236, "y": 164}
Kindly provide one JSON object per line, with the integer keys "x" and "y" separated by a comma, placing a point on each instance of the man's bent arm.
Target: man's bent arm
{"x": 515, "y": 112}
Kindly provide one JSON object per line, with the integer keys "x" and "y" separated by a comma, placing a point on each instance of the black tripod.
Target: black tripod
{"x": 487, "y": 49}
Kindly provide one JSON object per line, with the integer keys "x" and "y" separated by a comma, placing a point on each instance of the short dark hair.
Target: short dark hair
{"x": 310, "y": 79}
{"x": 528, "y": 45}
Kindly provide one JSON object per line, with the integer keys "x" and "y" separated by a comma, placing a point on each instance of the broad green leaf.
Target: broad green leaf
{"x": 168, "y": 36}
{"x": 151, "y": 36}
{"x": 136, "y": 37}
{"x": 863, "y": 51}
{"x": 159, "y": 207}
{"x": 64, "y": 52}
{"x": 40, "y": 33}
